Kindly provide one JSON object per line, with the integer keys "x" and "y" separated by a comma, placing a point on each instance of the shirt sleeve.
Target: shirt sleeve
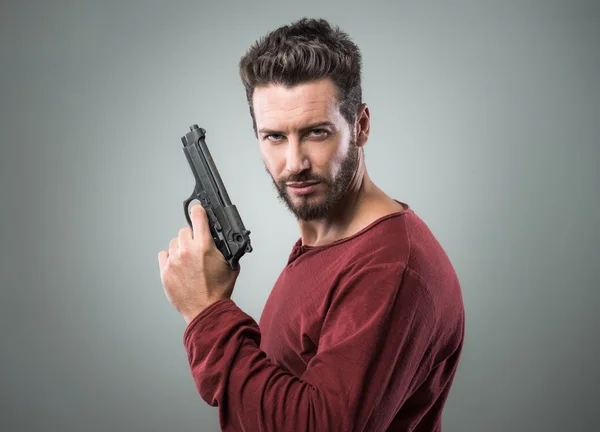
{"x": 371, "y": 355}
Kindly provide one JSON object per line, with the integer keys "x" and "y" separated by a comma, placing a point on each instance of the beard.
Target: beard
{"x": 307, "y": 208}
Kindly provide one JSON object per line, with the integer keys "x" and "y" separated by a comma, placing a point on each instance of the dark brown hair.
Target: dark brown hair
{"x": 303, "y": 51}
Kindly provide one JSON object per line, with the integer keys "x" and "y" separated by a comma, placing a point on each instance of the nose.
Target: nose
{"x": 296, "y": 159}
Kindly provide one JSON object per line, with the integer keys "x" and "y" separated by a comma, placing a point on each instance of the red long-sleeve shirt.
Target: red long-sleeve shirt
{"x": 363, "y": 334}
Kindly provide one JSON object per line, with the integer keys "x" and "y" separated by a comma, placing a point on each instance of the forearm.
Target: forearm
{"x": 231, "y": 372}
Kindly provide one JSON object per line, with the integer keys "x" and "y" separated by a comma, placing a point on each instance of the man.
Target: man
{"x": 363, "y": 330}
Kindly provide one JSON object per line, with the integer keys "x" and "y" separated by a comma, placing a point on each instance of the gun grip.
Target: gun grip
{"x": 220, "y": 242}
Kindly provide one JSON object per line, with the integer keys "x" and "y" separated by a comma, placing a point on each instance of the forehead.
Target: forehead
{"x": 278, "y": 107}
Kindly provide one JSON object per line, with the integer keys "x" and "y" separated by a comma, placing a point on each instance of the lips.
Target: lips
{"x": 302, "y": 188}
{"x": 300, "y": 185}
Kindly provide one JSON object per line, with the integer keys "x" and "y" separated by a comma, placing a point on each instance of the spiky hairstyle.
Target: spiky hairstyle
{"x": 304, "y": 51}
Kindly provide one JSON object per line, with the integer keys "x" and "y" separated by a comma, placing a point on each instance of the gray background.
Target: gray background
{"x": 485, "y": 119}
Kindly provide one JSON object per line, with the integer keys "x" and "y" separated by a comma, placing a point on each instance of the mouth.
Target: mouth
{"x": 302, "y": 188}
{"x": 301, "y": 184}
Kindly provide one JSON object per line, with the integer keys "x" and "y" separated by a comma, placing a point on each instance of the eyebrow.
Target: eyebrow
{"x": 304, "y": 129}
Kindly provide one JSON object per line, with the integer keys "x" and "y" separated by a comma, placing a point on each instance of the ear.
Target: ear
{"x": 363, "y": 125}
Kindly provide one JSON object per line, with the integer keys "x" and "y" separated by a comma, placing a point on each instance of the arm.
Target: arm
{"x": 374, "y": 340}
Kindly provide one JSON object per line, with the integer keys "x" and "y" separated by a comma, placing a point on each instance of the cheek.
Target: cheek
{"x": 329, "y": 160}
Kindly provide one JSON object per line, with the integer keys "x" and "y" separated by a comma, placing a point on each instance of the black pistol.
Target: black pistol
{"x": 226, "y": 226}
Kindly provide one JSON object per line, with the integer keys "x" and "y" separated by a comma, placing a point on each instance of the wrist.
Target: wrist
{"x": 189, "y": 316}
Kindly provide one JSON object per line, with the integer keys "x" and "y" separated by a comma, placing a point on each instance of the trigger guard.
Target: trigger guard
{"x": 186, "y": 206}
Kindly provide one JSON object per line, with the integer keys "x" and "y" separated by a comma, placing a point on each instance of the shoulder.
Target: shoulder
{"x": 382, "y": 242}
{"x": 402, "y": 249}
{"x": 428, "y": 258}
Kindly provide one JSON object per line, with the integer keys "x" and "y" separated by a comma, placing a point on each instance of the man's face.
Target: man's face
{"x": 308, "y": 148}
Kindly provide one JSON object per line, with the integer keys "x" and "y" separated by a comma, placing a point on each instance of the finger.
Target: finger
{"x": 200, "y": 224}
{"x": 173, "y": 246}
{"x": 184, "y": 237}
{"x": 163, "y": 256}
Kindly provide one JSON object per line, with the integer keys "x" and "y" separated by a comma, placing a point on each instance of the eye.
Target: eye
{"x": 318, "y": 133}
{"x": 273, "y": 137}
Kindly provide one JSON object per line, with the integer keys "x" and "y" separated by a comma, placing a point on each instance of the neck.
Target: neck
{"x": 343, "y": 220}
